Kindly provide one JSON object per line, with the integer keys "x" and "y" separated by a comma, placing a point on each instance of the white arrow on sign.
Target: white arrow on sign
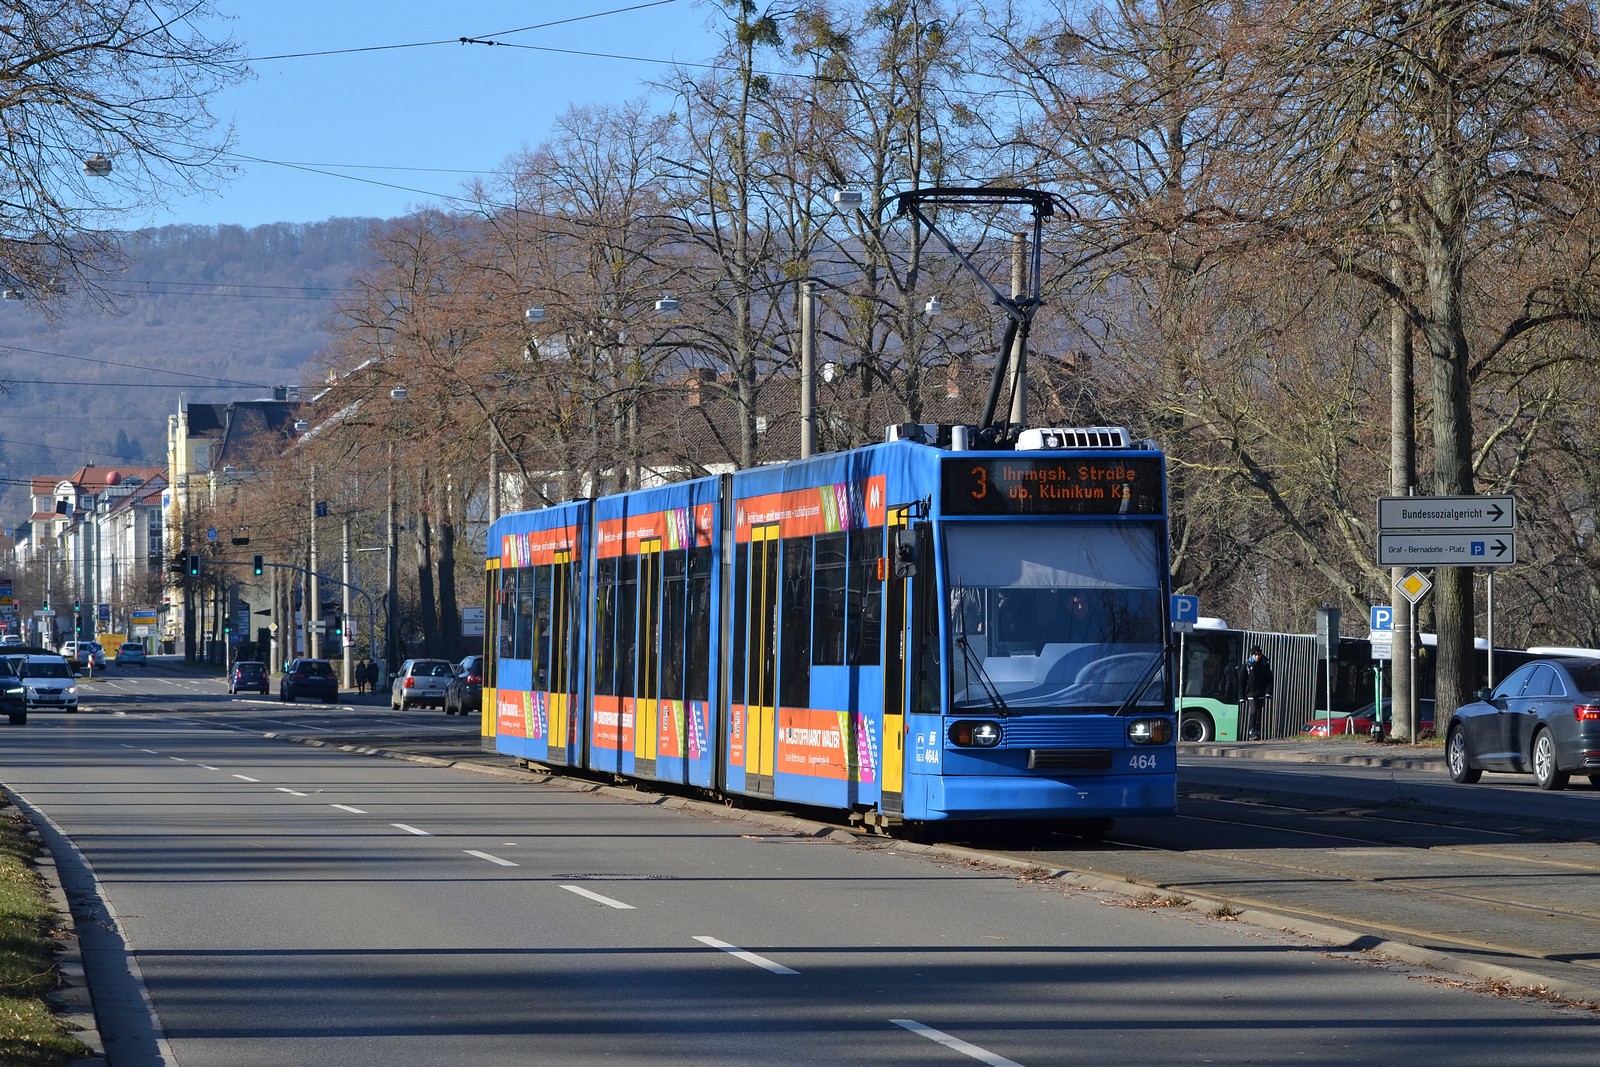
{"x": 1447, "y": 549}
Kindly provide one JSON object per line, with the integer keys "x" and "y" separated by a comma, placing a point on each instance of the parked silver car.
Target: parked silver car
{"x": 420, "y": 681}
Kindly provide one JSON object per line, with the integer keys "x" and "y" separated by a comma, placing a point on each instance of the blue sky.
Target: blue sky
{"x": 340, "y": 129}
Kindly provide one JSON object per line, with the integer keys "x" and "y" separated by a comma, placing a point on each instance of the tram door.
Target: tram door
{"x": 895, "y": 662}
{"x": 647, "y": 704}
{"x": 761, "y": 660}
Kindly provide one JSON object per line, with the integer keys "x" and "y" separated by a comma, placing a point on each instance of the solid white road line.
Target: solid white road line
{"x": 410, "y": 829}
{"x": 955, "y": 1044}
{"x": 607, "y": 901}
{"x": 748, "y": 957}
{"x": 491, "y": 859}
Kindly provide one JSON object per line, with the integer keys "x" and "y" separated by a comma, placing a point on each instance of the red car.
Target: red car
{"x": 1358, "y": 723}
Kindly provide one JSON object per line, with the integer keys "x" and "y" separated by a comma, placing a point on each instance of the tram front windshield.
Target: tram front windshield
{"x": 1054, "y": 618}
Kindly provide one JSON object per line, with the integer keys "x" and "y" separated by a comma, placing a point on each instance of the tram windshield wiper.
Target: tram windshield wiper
{"x": 975, "y": 665}
{"x": 1150, "y": 674}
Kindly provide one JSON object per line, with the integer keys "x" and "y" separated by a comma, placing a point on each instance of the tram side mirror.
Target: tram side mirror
{"x": 903, "y": 547}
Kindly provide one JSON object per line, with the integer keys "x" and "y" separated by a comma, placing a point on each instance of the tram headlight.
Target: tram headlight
{"x": 1149, "y": 731}
{"x": 970, "y": 733}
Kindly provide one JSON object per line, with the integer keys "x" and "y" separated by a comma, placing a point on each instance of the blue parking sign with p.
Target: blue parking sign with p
{"x": 1185, "y": 610}
{"x": 1382, "y": 618}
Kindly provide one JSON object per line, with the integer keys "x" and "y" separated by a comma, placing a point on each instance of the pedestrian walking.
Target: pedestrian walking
{"x": 1257, "y": 691}
{"x": 363, "y": 677}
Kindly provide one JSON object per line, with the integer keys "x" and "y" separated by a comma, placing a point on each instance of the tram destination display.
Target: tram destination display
{"x": 1013, "y": 484}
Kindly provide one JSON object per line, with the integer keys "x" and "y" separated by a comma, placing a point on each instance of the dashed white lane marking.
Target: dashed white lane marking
{"x": 955, "y": 1044}
{"x": 150, "y": 752}
{"x": 352, "y": 811}
{"x": 410, "y": 829}
{"x": 490, "y": 858}
{"x": 291, "y": 792}
{"x": 178, "y": 759}
{"x": 748, "y": 957}
{"x": 207, "y": 767}
{"x": 607, "y": 901}
{"x": 246, "y": 778}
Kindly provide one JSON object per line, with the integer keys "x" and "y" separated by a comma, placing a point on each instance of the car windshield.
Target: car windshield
{"x": 1055, "y": 618}
{"x": 47, "y": 670}
{"x": 250, "y": 669}
{"x": 315, "y": 667}
{"x": 432, "y": 670}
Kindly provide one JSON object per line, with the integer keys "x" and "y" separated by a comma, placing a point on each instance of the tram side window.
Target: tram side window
{"x": 674, "y": 580}
{"x": 924, "y": 652}
{"x": 539, "y": 633}
{"x": 605, "y": 615}
{"x": 794, "y": 667}
{"x": 522, "y": 640}
{"x": 865, "y": 600}
{"x": 828, "y": 602}
{"x": 505, "y": 610}
{"x": 697, "y": 657}
{"x": 491, "y": 639}
{"x": 627, "y": 636}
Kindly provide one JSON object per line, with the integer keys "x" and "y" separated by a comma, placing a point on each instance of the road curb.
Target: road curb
{"x": 71, "y": 1003}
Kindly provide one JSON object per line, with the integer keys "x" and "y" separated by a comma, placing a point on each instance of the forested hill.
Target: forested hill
{"x": 211, "y": 313}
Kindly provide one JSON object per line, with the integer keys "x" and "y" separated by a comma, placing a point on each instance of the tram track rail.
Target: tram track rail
{"x": 1505, "y": 898}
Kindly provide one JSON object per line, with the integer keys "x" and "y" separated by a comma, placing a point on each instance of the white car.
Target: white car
{"x": 48, "y": 682}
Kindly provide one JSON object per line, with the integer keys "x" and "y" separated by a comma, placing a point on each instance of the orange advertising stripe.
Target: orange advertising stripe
{"x": 816, "y": 510}
{"x": 537, "y": 547}
{"x": 811, "y": 743}
{"x": 672, "y": 529}
{"x": 607, "y": 717}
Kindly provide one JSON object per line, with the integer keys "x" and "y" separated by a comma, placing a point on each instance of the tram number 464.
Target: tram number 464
{"x": 1142, "y": 761}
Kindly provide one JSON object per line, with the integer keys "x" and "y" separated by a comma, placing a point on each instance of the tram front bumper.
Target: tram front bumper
{"x": 981, "y": 797}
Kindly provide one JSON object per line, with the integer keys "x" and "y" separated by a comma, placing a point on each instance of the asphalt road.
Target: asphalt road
{"x": 273, "y": 903}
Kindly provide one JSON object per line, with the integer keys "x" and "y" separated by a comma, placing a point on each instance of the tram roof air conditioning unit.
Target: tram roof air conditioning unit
{"x": 1057, "y": 437}
{"x": 923, "y": 433}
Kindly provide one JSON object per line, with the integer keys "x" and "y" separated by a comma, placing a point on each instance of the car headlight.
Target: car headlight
{"x": 1149, "y": 731}
{"x": 974, "y": 733}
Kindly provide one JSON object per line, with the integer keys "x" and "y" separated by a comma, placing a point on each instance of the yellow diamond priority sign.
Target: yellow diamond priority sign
{"x": 1414, "y": 586}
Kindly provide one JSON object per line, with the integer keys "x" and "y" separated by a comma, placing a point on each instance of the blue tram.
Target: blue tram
{"x": 903, "y": 632}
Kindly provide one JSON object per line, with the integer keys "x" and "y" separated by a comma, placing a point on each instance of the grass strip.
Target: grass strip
{"x": 30, "y": 1033}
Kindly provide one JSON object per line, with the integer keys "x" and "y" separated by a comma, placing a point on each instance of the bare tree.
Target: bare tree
{"x": 104, "y": 112}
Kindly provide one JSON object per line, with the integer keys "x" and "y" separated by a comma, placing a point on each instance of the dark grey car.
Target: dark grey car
{"x": 1543, "y": 719}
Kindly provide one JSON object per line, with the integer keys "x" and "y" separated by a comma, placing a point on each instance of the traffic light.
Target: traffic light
{"x": 338, "y": 626}
{"x": 194, "y": 565}
{"x": 258, "y": 563}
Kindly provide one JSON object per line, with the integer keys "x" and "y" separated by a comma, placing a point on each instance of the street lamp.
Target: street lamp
{"x": 391, "y": 607}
